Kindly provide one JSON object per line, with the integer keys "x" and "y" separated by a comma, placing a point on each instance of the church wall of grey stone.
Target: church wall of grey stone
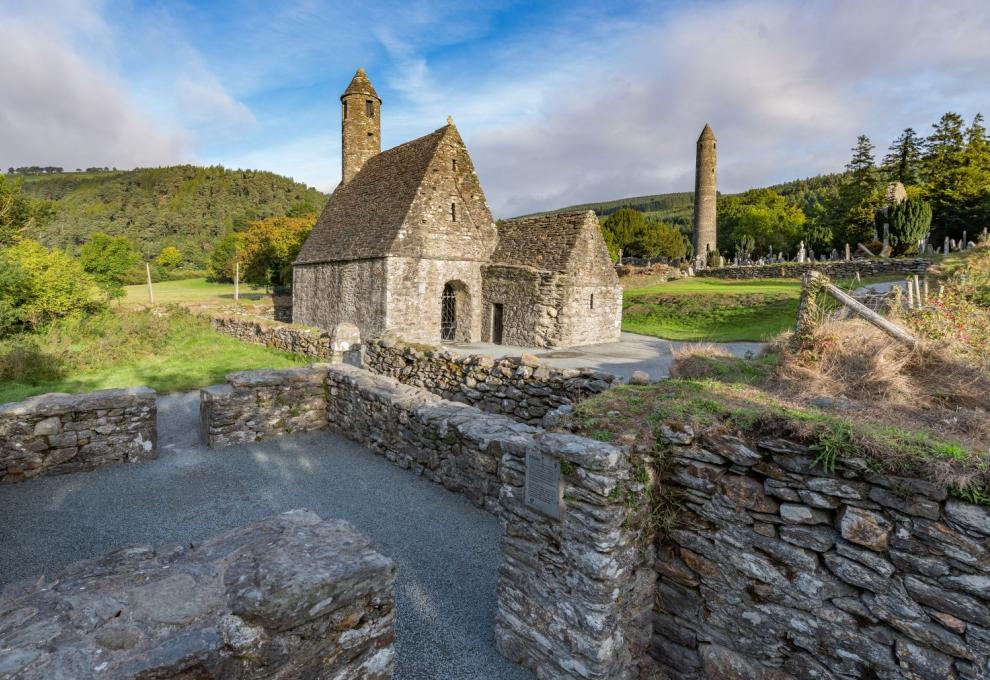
{"x": 331, "y": 293}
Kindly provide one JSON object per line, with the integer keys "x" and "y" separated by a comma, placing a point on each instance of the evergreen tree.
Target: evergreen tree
{"x": 850, "y": 215}
{"x": 958, "y": 165}
{"x": 909, "y": 222}
{"x": 903, "y": 158}
{"x": 943, "y": 147}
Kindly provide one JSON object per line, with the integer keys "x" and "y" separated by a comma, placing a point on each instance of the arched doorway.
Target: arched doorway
{"x": 448, "y": 314}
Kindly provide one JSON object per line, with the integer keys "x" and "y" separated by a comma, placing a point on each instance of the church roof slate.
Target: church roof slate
{"x": 547, "y": 242}
{"x": 363, "y": 217}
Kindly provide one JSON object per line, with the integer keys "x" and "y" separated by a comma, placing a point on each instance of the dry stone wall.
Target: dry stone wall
{"x": 254, "y": 405}
{"x": 517, "y": 387}
{"x": 291, "y": 596}
{"x": 311, "y": 342}
{"x": 60, "y": 433}
{"x": 834, "y": 269}
{"x": 780, "y": 569}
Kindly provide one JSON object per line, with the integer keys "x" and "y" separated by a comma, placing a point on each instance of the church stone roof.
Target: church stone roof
{"x": 363, "y": 217}
{"x": 360, "y": 84}
{"x": 560, "y": 242}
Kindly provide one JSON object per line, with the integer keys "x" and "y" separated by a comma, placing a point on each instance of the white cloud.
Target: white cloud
{"x": 59, "y": 108}
{"x": 786, "y": 86}
{"x": 204, "y": 101}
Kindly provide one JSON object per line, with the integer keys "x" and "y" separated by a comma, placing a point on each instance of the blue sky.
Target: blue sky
{"x": 558, "y": 102}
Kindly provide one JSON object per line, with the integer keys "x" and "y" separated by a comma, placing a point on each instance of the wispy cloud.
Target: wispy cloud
{"x": 58, "y": 107}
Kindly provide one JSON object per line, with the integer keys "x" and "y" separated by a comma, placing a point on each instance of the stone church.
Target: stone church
{"x": 406, "y": 246}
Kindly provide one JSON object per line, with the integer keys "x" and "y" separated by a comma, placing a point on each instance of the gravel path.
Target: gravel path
{"x": 446, "y": 550}
{"x": 633, "y": 352}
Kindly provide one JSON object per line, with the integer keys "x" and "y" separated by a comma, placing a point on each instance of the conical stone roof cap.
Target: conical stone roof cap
{"x": 361, "y": 85}
{"x": 707, "y": 133}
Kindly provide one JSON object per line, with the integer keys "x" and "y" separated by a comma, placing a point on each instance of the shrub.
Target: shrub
{"x": 41, "y": 285}
{"x": 109, "y": 260}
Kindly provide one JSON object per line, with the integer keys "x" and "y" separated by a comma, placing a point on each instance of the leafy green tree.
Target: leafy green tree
{"x": 109, "y": 260}
{"x": 622, "y": 226}
{"x": 46, "y": 284}
{"x": 657, "y": 239}
{"x": 903, "y": 160}
{"x": 762, "y": 217}
{"x": 18, "y": 213}
{"x": 169, "y": 259}
{"x": 223, "y": 258}
{"x": 269, "y": 246}
{"x": 909, "y": 222}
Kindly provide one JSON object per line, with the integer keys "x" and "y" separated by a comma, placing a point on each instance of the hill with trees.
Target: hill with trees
{"x": 187, "y": 208}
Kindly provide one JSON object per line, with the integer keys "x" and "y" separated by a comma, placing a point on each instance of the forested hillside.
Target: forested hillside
{"x": 189, "y": 208}
{"x": 674, "y": 208}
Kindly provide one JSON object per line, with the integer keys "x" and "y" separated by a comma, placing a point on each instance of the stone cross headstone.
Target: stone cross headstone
{"x": 848, "y": 255}
{"x": 801, "y": 253}
{"x": 945, "y": 250}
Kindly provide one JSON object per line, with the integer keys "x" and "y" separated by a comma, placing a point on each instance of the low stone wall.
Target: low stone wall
{"x": 311, "y": 342}
{"x": 290, "y": 596}
{"x": 780, "y": 569}
{"x": 60, "y": 433}
{"x": 835, "y": 269}
{"x": 255, "y": 405}
{"x": 516, "y": 387}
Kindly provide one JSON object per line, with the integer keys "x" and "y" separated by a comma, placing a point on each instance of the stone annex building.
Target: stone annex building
{"x": 407, "y": 246}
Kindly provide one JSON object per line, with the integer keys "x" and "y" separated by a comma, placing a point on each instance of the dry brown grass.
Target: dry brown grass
{"x": 927, "y": 386}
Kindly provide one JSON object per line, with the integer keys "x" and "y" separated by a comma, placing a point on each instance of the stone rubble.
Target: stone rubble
{"x": 60, "y": 433}
{"x": 290, "y": 596}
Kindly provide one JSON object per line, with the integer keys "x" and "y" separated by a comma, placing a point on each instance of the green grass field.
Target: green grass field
{"x": 168, "y": 353}
{"x": 713, "y": 310}
{"x": 198, "y": 291}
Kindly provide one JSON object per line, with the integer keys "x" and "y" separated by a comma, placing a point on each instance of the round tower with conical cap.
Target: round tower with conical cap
{"x": 361, "y": 130}
{"x": 705, "y": 195}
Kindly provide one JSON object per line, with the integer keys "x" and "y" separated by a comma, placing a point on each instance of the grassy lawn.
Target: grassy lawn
{"x": 198, "y": 291}
{"x": 713, "y": 310}
{"x": 124, "y": 349}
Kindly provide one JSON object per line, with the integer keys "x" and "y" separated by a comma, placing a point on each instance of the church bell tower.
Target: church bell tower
{"x": 361, "y": 128}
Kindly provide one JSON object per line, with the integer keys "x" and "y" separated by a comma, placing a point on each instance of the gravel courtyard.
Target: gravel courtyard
{"x": 446, "y": 550}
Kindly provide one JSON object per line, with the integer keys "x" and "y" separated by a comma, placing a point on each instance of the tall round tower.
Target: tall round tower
{"x": 361, "y": 129}
{"x": 705, "y": 195}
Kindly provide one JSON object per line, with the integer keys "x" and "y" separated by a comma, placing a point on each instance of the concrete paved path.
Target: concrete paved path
{"x": 632, "y": 353}
{"x": 445, "y": 549}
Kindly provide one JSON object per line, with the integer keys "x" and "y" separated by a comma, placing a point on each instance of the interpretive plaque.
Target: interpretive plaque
{"x": 543, "y": 483}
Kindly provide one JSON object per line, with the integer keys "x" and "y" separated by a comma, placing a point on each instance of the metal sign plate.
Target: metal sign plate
{"x": 543, "y": 490}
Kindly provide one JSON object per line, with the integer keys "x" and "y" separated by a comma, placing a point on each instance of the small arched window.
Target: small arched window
{"x": 453, "y": 212}
{"x": 592, "y": 301}
{"x": 369, "y": 108}
{"x": 345, "y": 109}
{"x": 453, "y": 164}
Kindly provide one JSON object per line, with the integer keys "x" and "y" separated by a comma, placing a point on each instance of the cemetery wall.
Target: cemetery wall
{"x": 777, "y": 568}
{"x": 833, "y": 269}
{"x": 246, "y": 603}
{"x": 60, "y": 433}
{"x": 519, "y": 387}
